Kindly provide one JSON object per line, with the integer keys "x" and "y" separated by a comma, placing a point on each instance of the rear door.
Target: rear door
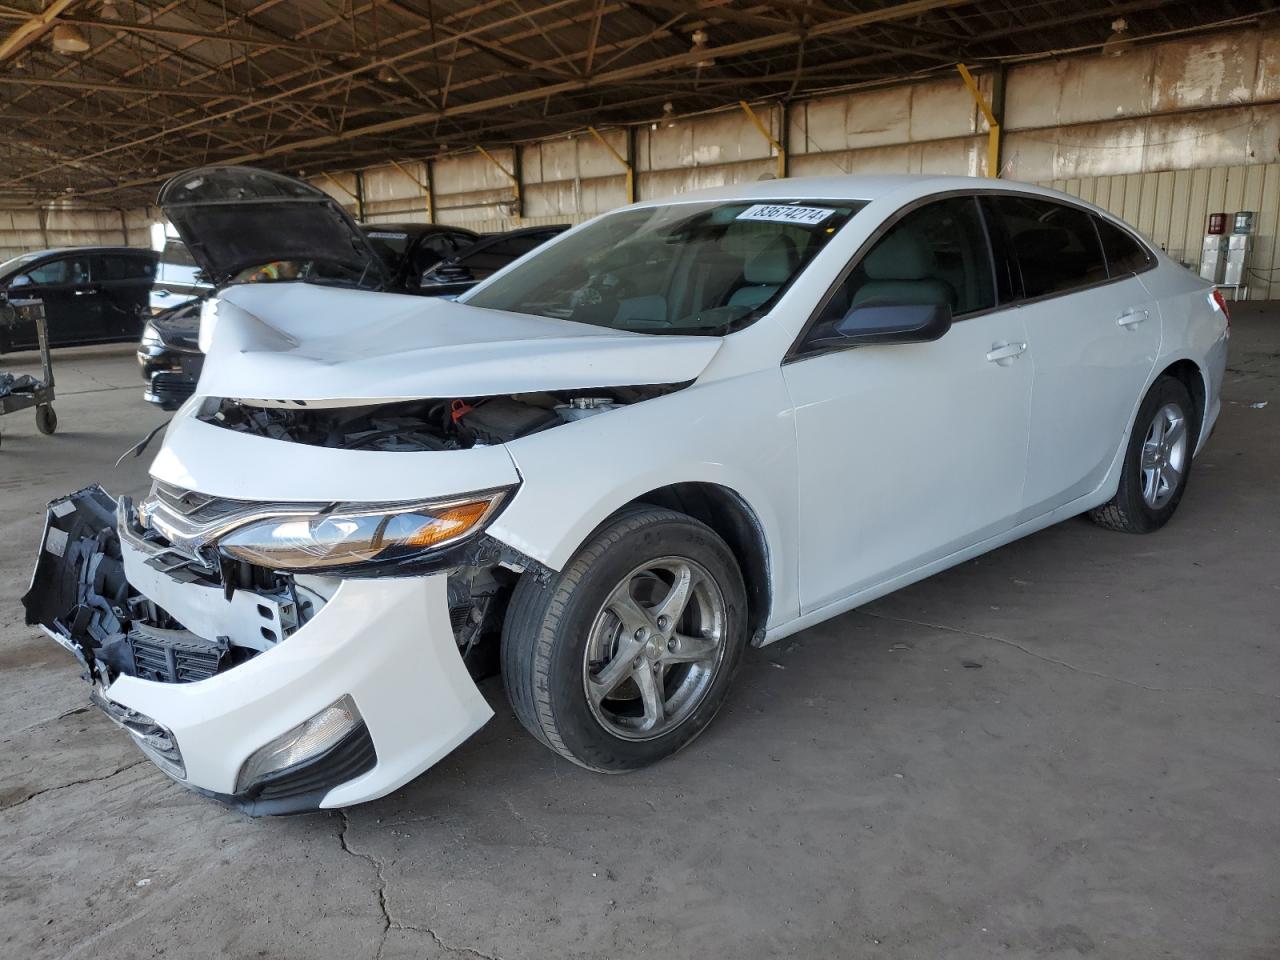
{"x": 1093, "y": 332}
{"x": 124, "y": 280}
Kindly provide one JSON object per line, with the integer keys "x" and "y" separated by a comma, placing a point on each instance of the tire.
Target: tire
{"x": 46, "y": 419}
{"x": 1138, "y": 506}
{"x": 565, "y": 636}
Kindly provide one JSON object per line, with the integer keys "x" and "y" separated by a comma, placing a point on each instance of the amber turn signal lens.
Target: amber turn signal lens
{"x": 447, "y": 524}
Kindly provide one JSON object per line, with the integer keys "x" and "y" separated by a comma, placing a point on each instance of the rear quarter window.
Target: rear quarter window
{"x": 1124, "y": 254}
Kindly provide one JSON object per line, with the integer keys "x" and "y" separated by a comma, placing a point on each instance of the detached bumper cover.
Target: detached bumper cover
{"x": 387, "y": 643}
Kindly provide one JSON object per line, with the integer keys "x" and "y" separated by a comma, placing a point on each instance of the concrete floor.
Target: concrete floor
{"x": 1068, "y": 747}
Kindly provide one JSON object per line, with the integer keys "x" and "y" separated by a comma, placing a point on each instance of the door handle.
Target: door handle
{"x": 1132, "y": 317}
{"x": 1005, "y": 353}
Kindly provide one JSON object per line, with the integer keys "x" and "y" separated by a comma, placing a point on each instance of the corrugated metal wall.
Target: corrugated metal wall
{"x": 1162, "y": 136}
{"x": 1172, "y": 207}
{"x": 64, "y": 225}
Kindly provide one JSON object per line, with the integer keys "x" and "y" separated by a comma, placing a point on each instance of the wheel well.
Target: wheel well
{"x": 728, "y": 515}
{"x": 1189, "y": 375}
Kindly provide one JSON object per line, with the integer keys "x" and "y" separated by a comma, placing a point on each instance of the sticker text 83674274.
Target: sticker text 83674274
{"x": 785, "y": 213}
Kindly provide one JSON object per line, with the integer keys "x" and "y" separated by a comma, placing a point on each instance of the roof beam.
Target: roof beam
{"x": 30, "y": 31}
{"x": 239, "y": 39}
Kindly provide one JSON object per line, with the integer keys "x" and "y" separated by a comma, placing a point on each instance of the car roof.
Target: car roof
{"x": 417, "y": 228}
{"x": 524, "y": 231}
{"x": 52, "y": 251}
{"x": 865, "y": 187}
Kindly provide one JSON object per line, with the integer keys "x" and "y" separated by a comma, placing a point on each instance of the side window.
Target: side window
{"x": 1124, "y": 254}
{"x": 438, "y": 244}
{"x": 936, "y": 254}
{"x": 68, "y": 270}
{"x": 124, "y": 267}
{"x": 1055, "y": 247}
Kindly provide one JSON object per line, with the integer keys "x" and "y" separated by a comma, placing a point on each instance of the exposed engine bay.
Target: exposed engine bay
{"x": 420, "y": 425}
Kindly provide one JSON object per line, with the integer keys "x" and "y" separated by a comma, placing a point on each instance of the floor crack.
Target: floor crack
{"x": 1063, "y": 663}
{"x": 377, "y": 869}
{"x": 74, "y": 783}
{"x": 389, "y": 922}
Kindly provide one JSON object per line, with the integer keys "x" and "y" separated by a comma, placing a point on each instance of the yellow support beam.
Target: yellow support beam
{"x": 421, "y": 185}
{"x": 993, "y": 135}
{"x": 515, "y": 181}
{"x": 764, "y": 131}
{"x": 626, "y": 165}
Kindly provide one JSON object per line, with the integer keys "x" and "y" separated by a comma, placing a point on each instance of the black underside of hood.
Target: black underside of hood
{"x": 235, "y": 218}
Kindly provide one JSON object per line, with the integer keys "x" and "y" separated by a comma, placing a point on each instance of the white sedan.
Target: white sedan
{"x": 684, "y": 427}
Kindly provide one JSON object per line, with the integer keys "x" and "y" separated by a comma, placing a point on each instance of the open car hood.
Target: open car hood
{"x": 234, "y": 218}
{"x": 325, "y": 347}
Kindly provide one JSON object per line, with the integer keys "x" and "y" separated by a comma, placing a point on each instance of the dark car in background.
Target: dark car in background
{"x": 485, "y": 257}
{"x": 90, "y": 294}
{"x": 411, "y": 249}
{"x": 254, "y": 226}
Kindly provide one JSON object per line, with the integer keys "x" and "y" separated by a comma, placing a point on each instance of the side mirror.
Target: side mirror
{"x": 895, "y": 323}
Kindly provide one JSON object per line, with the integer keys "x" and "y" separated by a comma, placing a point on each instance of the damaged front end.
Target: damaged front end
{"x": 271, "y": 688}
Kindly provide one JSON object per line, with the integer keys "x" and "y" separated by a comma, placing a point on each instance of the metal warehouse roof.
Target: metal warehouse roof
{"x": 103, "y": 100}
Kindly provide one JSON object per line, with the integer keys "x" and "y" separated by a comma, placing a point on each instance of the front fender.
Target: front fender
{"x": 737, "y": 433}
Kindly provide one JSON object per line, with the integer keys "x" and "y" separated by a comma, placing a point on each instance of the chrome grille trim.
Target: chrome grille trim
{"x": 190, "y": 520}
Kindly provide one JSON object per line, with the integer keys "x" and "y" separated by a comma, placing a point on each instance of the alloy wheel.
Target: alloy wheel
{"x": 1164, "y": 456}
{"x": 655, "y": 648}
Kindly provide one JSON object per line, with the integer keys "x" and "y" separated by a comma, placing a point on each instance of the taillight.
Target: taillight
{"x": 1221, "y": 301}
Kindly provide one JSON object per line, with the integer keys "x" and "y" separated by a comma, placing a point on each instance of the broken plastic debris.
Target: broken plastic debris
{"x": 1259, "y": 405}
{"x": 144, "y": 882}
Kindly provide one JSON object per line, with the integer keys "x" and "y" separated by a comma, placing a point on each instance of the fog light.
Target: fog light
{"x": 305, "y": 741}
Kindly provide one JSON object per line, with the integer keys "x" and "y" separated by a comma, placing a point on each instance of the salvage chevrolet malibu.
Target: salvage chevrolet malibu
{"x": 681, "y": 428}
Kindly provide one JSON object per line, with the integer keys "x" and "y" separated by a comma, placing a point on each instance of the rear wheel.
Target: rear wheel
{"x": 627, "y": 654}
{"x": 1157, "y": 462}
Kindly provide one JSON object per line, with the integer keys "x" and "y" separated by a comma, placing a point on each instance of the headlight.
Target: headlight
{"x": 351, "y": 534}
{"x": 151, "y": 336}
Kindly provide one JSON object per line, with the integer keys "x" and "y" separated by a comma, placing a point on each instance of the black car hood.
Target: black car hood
{"x": 234, "y": 218}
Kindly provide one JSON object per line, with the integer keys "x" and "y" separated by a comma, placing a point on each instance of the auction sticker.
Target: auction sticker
{"x": 785, "y": 213}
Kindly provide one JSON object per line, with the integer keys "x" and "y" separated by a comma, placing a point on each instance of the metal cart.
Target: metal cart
{"x": 42, "y": 396}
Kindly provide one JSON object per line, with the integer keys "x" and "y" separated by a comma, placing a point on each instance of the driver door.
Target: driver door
{"x": 909, "y": 452}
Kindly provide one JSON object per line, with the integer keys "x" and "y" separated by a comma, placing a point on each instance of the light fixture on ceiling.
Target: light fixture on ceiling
{"x": 668, "y": 114}
{"x": 109, "y": 11}
{"x": 67, "y": 38}
{"x": 1120, "y": 39}
{"x": 699, "y": 38}
{"x": 387, "y": 75}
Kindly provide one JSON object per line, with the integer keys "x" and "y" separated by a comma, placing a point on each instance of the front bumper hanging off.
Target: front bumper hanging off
{"x": 359, "y": 699}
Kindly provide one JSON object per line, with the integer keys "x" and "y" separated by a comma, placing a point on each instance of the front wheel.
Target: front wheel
{"x": 1156, "y": 462}
{"x": 627, "y": 654}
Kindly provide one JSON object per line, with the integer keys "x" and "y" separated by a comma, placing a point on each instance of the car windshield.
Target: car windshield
{"x": 390, "y": 244}
{"x": 684, "y": 268}
{"x": 10, "y": 266}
